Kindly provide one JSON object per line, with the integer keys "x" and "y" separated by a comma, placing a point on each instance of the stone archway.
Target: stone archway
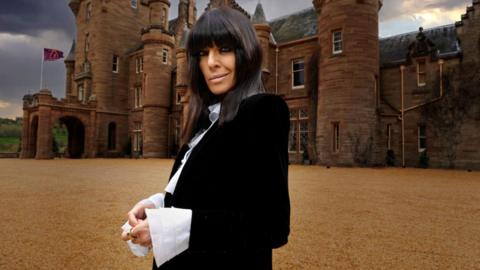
{"x": 76, "y": 136}
{"x": 32, "y": 137}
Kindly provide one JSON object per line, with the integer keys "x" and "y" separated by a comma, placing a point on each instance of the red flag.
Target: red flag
{"x": 52, "y": 54}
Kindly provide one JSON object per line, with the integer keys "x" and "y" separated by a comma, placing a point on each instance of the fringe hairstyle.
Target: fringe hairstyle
{"x": 222, "y": 27}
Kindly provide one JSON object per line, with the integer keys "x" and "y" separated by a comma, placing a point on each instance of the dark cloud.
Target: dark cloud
{"x": 32, "y": 17}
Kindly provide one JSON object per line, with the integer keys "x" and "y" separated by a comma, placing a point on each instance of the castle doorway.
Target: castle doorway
{"x": 75, "y": 138}
{"x": 32, "y": 138}
{"x": 59, "y": 139}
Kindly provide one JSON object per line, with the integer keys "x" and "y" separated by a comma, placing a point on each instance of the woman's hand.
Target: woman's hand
{"x": 141, "y": 234}
{"x": 135, "y": 216}
{"x": 137, "y": 213}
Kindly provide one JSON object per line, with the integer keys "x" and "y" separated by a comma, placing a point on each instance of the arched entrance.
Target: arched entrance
{"x": 59, "y": 139}
{"x": 32, "y": 138}
{"x": 76, "y": 136}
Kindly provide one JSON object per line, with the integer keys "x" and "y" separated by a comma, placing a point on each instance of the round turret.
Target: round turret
{"x": 348, "y": 75}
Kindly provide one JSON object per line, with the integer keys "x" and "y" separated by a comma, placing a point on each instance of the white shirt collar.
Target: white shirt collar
{"x": 214, "y": 111}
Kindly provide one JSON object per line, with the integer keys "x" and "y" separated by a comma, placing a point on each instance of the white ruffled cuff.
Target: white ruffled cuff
{"x": 170, "y": 232}
{"x": 157, "y": 199}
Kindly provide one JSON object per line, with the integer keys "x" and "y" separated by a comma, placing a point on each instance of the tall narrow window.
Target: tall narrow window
{"x": 138, "y": 97}
{"x": 293, "y": 142}
{"x": 87, "y": 42}
{"x": 81, "y": 92}
{"x": 336, "y": 137}
{"x": 178, "y": 98}
{"x": 298, "y": 73}
{"x": 389, "y": 136}
{"x": 421, "y": 73}
{"x": 133, "y": 3}
{"x": 422, "y": 138}
{"x": 112, "y": 136}
{"x": 115, "y": 66}
{"x": 165, "y": 56}
{"x": 298, "y": 141}
{"x": 139, "y": 64}
{"x": 337, "y": 42}
{"x": 137, "y": 137}
{"x": 88, "y": 14}
{"x": 165, "y": 16}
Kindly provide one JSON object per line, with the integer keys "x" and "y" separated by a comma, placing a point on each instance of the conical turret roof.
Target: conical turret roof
{"x": 259, "y": 15}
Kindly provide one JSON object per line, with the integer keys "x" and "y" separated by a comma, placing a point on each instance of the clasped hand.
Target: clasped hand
{"x": 140, "y": 232}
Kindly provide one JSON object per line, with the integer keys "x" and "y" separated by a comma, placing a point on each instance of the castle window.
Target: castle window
{"x": 81, "y": 92}
{"x": 116, "y": 63}
{"x": 133, "y": 3}
{"x": 165, "y": 16}
{"x": 139, "y": 64}
{"x": 336, "y": 137}
{"x": 178, "y": 97}
{"x": 137, "y": 137}
{"x": 138, "y": 97}
{"x": 422, "y": 138}
{"x": 88, "y": 14}
{"x": 112, "y": 136}
{"x": 165, "y": 56}
{"x": 86, "y": 66}
{"x": 421, "y": 74}
{"x": 298, "y": 140}
{"x": 298, "y": 73}
{"x": 87, "y": 42}
{"x": 337, "y": 42}
{"x": 389, "y": 136}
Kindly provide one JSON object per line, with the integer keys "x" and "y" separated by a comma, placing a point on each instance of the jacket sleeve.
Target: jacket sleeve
{"x": 263, "y": 218}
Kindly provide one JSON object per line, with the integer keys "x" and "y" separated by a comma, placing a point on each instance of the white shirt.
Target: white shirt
{"x": 170, "y": 227}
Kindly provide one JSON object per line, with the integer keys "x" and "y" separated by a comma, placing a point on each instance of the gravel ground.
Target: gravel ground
{"x": 66, "y": 214}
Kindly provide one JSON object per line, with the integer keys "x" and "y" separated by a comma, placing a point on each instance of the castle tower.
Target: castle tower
{"x": 157, "y": 55}
{"x": 263, "y": 30}
{"x": 186, "y": 18}
{"x": 187, "y": 13}
{"x": 230, "y": 3}
{"x": 182, "y": 69}
{"x": 106, "y": 31}
{"x": 70, "y": 68}
{"x": 469, "y": 35}
{"x": 348, "y": 75}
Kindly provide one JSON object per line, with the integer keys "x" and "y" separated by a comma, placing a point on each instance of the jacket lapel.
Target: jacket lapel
{"x": 194, "y": 154}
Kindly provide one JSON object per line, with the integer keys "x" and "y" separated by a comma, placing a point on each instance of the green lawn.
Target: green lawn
{"x": 9, "y": 144}
{"x": 10, "y": 133}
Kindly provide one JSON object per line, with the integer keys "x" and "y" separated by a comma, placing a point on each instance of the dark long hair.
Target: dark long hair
{"x": 222, "y": 27}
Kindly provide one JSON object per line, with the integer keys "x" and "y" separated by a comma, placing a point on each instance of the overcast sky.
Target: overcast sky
{"x": 28, "y": 26}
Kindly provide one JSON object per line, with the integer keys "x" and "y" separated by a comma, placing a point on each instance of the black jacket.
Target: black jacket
{"x": 236, "y": 183}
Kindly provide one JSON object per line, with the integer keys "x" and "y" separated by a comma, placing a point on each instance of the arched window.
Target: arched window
{"x": 111, "y": 135}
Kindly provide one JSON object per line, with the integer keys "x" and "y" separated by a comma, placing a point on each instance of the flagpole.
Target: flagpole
{"x": 41, "y": 71}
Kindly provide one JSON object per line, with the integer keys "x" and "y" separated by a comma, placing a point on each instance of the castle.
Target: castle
{"x": 354, "y": 99}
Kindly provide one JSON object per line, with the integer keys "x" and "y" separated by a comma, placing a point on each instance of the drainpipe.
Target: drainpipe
{"x": 276, "y": 69}
{"x": 402, "y": 69}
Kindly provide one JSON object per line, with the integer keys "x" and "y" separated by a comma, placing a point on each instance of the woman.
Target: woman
{"x": 227, "y": 204}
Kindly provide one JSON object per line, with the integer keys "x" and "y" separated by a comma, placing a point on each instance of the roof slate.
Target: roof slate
{"x": 395, "y": 49}
{"x": 295, "y": 26}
